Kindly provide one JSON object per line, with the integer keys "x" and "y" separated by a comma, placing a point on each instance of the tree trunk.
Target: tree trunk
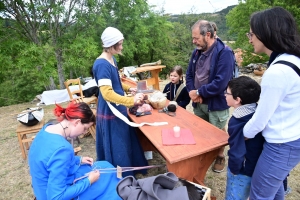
{"x": 60, "y": 71}
{"x": 52, "y": 84}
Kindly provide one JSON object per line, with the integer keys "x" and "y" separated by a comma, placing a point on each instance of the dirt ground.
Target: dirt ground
{"x": 14, "y": 173}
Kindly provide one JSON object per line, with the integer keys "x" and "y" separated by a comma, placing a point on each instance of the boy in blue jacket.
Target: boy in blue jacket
{"x": 242, "y": 93}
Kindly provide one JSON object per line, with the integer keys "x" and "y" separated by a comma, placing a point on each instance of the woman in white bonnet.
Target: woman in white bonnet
{"x": 116, "y": 142}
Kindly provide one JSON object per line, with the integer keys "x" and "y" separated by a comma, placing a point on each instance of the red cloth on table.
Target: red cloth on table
{"x": 186, "y": 137}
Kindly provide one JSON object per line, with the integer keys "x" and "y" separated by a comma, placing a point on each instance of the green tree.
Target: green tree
{"x": 63, "y": 39}
{"x": 9, "y": 73}
{"x": 44, "y": 42}
{"x": 182, "y": 45}
{"x": 53, "y": 24}
{"x": 145, "y": 32}
{"x": 238, "y": 21}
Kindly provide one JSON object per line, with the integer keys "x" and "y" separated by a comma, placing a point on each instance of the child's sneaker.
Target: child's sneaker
{"x": 288, "y": 190}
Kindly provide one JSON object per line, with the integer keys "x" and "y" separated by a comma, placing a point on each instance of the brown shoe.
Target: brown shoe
{"x": 219, "y": 164}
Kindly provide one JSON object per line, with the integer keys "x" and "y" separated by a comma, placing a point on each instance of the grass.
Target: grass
{"x": 14, "y": 173}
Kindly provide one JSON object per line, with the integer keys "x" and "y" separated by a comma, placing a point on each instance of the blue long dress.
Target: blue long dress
{"x": 54, "y": 167}
{"x": 116, "y": 141}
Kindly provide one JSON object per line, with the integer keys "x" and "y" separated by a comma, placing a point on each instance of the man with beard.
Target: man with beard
{"x": 210, "y": 69}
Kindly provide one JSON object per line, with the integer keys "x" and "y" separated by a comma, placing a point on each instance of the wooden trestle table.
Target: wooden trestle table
{"x": 154, "y": 70}
{"x": 190, "y": 162}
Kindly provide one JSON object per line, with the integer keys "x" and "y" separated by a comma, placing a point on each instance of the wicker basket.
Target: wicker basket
{"x": 158, "y": 100}
{"x": 206, "y": 196}
{"x": 158, "y": 104}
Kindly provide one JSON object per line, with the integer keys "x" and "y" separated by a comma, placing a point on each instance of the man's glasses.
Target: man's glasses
{"x": 226, "y": 93}
{"x": 249, "y": 35}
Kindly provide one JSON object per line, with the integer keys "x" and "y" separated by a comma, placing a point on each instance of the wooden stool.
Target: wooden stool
{"x": 76, "y": 150}
{"x": 22, "y": 132}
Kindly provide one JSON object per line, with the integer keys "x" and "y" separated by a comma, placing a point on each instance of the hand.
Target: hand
{"x": 87, "y": 160}
{"x": 94, "y": 176}
{"x": 132, "y": 91}
{"x": 193, "y": 95}
{"x": 198, "y": 100}
{"x": 138, "y": 99}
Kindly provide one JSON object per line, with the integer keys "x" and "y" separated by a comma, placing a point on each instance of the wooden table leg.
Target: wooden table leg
{"x": 155, "y": 75}
{"x": 144, "y": 141}
{"x": 24, "y": 137}
{"x": 193, "y": 169}
{"x": 21, "y": 146}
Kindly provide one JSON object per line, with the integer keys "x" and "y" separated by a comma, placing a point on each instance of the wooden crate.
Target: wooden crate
{"x": 207, "y": 192}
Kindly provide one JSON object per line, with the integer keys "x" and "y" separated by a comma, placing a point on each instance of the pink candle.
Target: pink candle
{"x": 176, "y": 130}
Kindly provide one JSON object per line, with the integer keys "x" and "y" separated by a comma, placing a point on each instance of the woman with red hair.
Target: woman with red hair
{"x": 54, "y": 168}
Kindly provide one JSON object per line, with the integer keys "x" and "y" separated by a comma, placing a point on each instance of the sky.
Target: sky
{"x": 197, "y": 6}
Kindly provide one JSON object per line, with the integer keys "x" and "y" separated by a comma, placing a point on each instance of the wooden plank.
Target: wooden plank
{"x": 148, "y": 68}
{"x": 22, "y": 129}
{"x": 129, "y": 82}
{"x": 153, "y": 81}
{"x": 76, "y": 150}
{"x": 155, "y": 75}
{"x": 150, "y": 81}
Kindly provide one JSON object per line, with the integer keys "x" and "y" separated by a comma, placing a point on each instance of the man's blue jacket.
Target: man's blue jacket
{"x": 220, "y": 73}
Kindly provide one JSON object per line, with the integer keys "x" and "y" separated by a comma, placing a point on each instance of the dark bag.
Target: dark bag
{"x": 91, "y": 91}
{"x": 293, "y": 66}
{"x": 30, "y": 116}
{"x": 160, "y": 187}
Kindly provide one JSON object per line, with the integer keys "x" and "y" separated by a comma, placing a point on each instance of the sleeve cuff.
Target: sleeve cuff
{"x": 102, "y": 82}
{"x": 78, "y": 160}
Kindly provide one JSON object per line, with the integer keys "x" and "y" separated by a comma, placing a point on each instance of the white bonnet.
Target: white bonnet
{"x": 111, "y": 36}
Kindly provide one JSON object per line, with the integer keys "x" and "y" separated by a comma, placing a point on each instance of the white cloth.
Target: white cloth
{"x": 117, "y": 113}
{"x": 89, "y": 84}
{"x": 104, "y": 81}
{"x": 59, "y": 96}
{"x": 128, "y": 72}
{"x": 111, "y": 36}
{"x": 277, "y": 113}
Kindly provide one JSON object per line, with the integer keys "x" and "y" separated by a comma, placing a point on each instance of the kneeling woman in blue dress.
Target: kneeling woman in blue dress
{"x": 56, "y": 172}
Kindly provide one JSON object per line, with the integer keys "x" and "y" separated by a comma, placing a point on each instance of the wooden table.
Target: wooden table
{"x": 190, "y": 162}
{"x": 22, "y": 132}
{"x": 154, "y": 70}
